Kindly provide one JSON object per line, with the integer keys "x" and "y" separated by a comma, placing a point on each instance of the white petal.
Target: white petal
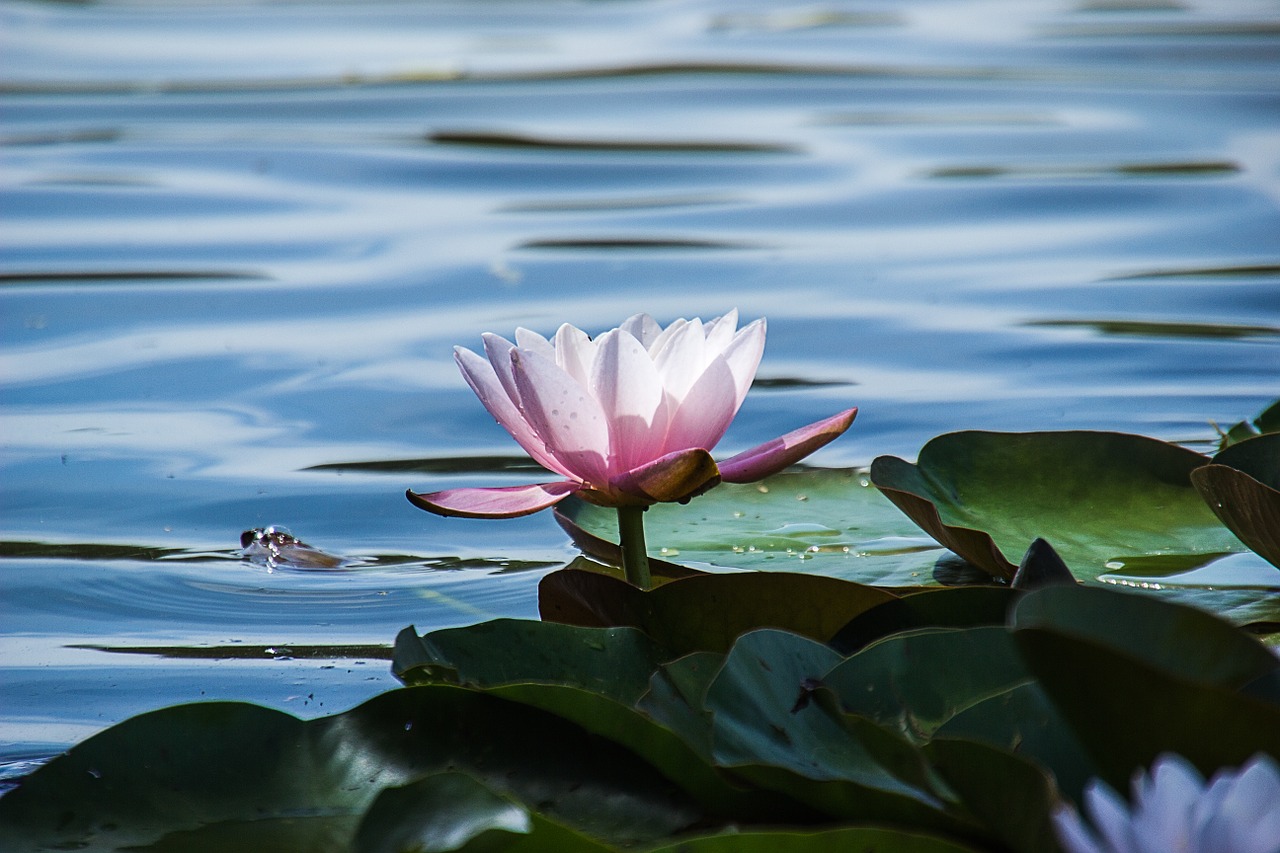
{"x": 485, "y": 382}
{"x": 536, "y": 342}
{"x": 680, "y": 356}
{"x": 700, "y": 420}
{"x": 643, "y": 328}
{"x": 743, "y": 356}
{"x": 719, "y": 332}
{"x": 1164, "y": 804}
{"x": 567, "y": 418}
{"x": 1110, "y": 816}
{"x": 1073, "y": 834}
{"x": 626, "y": 384}
{"x": 575, "y": 353}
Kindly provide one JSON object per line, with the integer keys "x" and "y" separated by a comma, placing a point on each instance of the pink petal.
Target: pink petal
{"x": 504, "y": 502}
{"x": 629, "y": 390}
{"x": 527, "y": 339}
{"x": 701, "y": 419}
{"x": 772, "y": 456}
{"x": 487, "y": 382}
{"x": 743, "y": 357}
{"x": 719, "y": 332}
{"x": 568, "y": 419}
{"x": 675, "y": 477}
{"x": 680, "y": 356}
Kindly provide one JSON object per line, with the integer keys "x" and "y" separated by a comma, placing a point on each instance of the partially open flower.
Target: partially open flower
{"x": 628, "y": 418}
{"x": 1173, "y": 811}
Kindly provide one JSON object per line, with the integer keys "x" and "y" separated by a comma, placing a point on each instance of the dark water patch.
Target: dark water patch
{"x": 632, "y": 243}
{"x": 773, "y": 382}
{"x": 1133, "y": 29}
{"x": 1188, "y": 168}
{"x": 439, "y": 465}
{"x": 1242, "y": 271}
{"x": 73, "y": 277}
{"x": 68, "y": 137}
{"x": 249, "y": 652}
{"x": 516, "y": 140}
{"x": 1145, "y": 328}
{"x": 588, "y": 205}
{"x": 92, "y": 551}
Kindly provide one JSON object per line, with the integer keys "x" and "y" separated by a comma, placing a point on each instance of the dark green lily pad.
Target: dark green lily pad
{"x": 859, "y": 838}
{"x": 1242, "y": 487}
{"x": 457, "y": 812}
{"x": 1180, "y": 640}
{"x": 232, "y": 769}
{"x": 947, "y": 607}
{"x": 1267, "y": 421}
{"x": 707, "y": 612}
{"x": 1101, "y": 499}
{"x": 1126, "y": 712}
{"x": 916, "y": 681}
{"x": 831, "y": 522}
{"x": 613, "y": 662}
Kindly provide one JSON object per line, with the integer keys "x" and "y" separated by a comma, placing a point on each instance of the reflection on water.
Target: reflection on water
{"x": 238, "y": 244}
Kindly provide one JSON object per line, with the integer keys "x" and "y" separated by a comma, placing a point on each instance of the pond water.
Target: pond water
{"x": 238, "y": 243}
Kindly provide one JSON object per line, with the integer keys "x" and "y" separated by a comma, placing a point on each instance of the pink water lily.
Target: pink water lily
{"x": 628, "y": 418}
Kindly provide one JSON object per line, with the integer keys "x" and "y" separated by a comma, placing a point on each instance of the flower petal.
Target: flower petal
{"x": 704, "y": 415}
{"x": 675, "y": 477}
{"x": 680, "y": 356}
{"x": 772, "y": 456}
{"x": 1073, "y": 833}
{"x": 564, "y": 415}
{"x": 629, "y": 390}
{"x": 486, "y": 379}
{"x": 504, "y": 502}
{"x": 743, "y": 355}
{"x": 643, "y": 328}
{"x": 575, "y": 352}
{"x": 720, "y": 331}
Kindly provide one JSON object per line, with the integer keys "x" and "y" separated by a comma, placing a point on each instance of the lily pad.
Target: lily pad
{"x": 831, "y": 522}
{"x": 870, "y": 838}
{"x": 1242, "y": 487}
{"x": 708, "y": 612}
{"x": 224, "y": 772}
{"x": 1097, "y": 497}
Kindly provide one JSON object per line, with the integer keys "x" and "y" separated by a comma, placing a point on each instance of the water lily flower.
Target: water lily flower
{"x": 627, "y": 419}
{"x": 1174, "y": 811}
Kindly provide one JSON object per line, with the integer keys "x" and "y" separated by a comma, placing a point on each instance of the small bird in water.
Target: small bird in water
{"x": 275, "y": 547}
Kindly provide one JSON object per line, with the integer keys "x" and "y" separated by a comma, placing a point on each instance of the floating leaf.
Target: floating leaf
{"x": 916, "y": 681}
{"x": 859, "y": 838}
{"x": 815, "y": 521}
{"x": 949, "y": 607}
{"x": 1008, "y": 793}
{"x": 226, "y": 769}
{"x": 1126, "y": 712}
{"x": 708, "y": 612}
{"x": 613, "y": 662}
{"x": 1242, "y": 487}
{"x": 1098, "y": 497}
{"x": 774, "y": 724}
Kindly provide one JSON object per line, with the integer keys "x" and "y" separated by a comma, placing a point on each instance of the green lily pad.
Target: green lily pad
{"x": 774, "y": 724}
{"x": 217, "y": 772}
{"x": 1005, "y": 791}
{"x": 1267, "y": 421}
{"x": 1099, "y": 498}
{"x": 1242, "y": 487}
{"x": 916, "y": 681}
{"x": 831, "y": 522}
{"x": 1126, "y": 712}
{"x": 947, "y": 607}
{"x": 869, "y": 838}
{"x": 613, "y": 662}
{"x": 707, "y": 612}
{"x": 1180, "y": 640}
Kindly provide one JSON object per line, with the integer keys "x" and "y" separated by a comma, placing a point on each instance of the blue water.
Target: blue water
{"x": 238, "y": 243}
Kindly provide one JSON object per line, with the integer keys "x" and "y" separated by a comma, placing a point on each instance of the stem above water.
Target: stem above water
{"x": 635, "y": 560}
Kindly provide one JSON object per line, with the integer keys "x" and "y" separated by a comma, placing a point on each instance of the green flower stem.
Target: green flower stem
{"x": 635, "y": 561}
